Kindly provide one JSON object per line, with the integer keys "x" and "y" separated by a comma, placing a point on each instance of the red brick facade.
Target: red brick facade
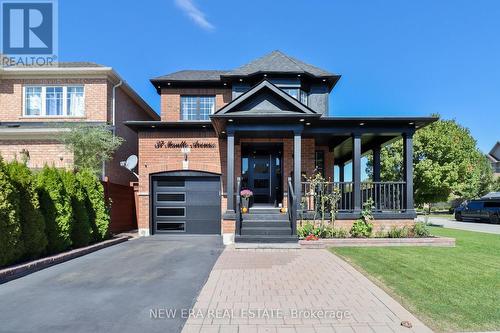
{"x": 171, "y": 100}
{"x": 45, "y": 149}
{"x": 155, "y": 160}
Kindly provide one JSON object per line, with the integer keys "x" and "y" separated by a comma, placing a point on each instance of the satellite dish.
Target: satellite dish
{"x": 131, "y": 162}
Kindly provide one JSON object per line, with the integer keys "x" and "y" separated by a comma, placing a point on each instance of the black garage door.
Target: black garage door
{"x": 186, "y": 202}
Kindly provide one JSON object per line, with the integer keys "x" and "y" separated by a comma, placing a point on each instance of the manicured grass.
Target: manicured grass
{"x": 450, "y": 289}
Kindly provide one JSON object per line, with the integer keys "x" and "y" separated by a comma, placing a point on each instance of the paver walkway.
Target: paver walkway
{"x": 285, "y": 291}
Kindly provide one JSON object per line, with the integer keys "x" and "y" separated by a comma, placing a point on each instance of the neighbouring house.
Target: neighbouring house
{"x": 262, "y": 126}
{"x": 36, "y": 103}
{"x": 494, "y": 157}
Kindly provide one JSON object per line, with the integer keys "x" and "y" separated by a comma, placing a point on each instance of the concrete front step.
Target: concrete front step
{"x": 266, "y": 231}
{"x": 266, "y": 223}
{"x": 265, "y": 239}
{"x": 266, "y": 217}
{"x": 264, "y": 210}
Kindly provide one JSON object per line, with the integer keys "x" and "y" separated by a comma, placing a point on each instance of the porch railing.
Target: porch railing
{"x": 238, "y": 206}
{"x": 345, "y": 189}
{"x": 386, "y": 196}
{"x": 292, "y": 204}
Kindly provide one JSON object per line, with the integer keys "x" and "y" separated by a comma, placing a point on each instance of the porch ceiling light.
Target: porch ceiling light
{"x": 308, "y": 124}
{"x": 223, "y": 132}
{"x": 230, "y": 120}
{"x": 301, "y": 120}
{"x": 412, "y": 123}
{"x": 361, "y": 124}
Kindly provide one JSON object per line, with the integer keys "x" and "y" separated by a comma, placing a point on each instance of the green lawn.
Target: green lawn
{"x": 450, "y": 289}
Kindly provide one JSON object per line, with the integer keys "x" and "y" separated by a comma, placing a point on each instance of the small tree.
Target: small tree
{"x": 91, "y": 145}
{"x": 447, "y": 163}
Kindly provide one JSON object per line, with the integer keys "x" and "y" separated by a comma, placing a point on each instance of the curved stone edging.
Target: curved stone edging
{"x": 373, "y": 242}
{"x": 20, "y": 270}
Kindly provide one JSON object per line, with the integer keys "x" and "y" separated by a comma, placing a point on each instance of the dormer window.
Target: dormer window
{"x": 297, "y": 93}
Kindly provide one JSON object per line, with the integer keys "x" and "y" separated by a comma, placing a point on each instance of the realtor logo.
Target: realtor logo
{"x": 29, "y": 32}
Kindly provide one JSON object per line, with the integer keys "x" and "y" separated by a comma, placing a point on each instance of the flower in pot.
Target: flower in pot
{"x": 245, "y": 197}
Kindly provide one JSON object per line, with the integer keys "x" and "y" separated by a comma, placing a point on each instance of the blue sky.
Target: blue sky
{"x": 395, "y": 57}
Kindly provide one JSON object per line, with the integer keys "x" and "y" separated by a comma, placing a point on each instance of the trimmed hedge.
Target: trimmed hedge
{"x": 55, "y": 204}
{"x": 11, "y": 243}
{"x": 32, "y": 220}
{"x": 98, "y": 212}
{"x": 80, "y": 230}
{"x": 48, "y": 212}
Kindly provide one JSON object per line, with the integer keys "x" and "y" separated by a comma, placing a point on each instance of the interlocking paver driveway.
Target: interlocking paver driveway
{"x": 280, "y": 291}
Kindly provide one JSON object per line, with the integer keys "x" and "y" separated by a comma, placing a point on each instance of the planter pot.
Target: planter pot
{"x": 245, "y": 202}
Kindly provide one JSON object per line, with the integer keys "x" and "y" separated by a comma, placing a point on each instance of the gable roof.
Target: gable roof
{"x": 274, "y": 62}
{"x": 299, "y": 108}
{"x": 278, "y": 62}
{"x": 192, "y": 75}
{"x": 495, "y": 152}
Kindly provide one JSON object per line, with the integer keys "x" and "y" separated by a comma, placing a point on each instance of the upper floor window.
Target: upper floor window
{"x": 297, "y": 93}
{"x": 54, "y": 101}
{"x": 197, "y": 107}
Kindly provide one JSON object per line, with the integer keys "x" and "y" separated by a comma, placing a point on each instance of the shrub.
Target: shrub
{"x": 31, "y": 218}
{"x": 396, "y": 232}
{"x": 98, "y": 212}
{"x": 420, "y": 230}
{"x": 305, "y": 230}
{"x": 80, "y": 230}
{"x": 361, "y": 229}
{"x": 56, "y": 207}
{"x": 338, "y": 233}
{"x": 11, "y": 244}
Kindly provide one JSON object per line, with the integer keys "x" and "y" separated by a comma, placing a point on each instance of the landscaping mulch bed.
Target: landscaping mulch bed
{"x": 19, "y": 270}
{"x": 374, "y": 242}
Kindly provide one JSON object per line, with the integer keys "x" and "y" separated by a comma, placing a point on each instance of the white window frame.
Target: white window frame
{"x": 43, "y": 111}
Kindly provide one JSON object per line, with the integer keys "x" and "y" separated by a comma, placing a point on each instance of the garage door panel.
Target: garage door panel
{"x": 187, "y": 204}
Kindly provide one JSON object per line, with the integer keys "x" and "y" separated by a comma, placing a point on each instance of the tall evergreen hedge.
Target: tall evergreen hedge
{"x": 80, "y": 231}
{"x": 96, "y": 206}
{"x": 31, "y": 217}
{"x": 11, "y": 243}
{"x": 55, "y": 204}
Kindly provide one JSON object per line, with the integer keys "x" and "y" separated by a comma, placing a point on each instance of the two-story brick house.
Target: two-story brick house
{"x": 262, "y": 126}
{"x": 36, "y": 103}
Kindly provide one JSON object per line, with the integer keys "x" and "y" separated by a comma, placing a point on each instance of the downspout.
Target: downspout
{"x": 113, "y": 120}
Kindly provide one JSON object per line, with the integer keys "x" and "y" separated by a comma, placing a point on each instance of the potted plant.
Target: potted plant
{"x": 245, "y": 197}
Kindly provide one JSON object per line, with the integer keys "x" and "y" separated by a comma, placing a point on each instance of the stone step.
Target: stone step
{"x": 267, "y": 231}
{"x": 265, "y": 239}
{"x": 266, "y": 223}
{"x": 265, "y": 217}
{"x": 270, "y": 210}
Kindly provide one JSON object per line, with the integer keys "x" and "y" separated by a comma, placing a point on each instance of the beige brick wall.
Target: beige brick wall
{"x": 171, "y": 100}
{"x": 41, "y": 153}
{"x": 96, "y": 99}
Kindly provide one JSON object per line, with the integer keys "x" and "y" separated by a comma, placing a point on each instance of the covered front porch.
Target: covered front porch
{"x": 300, "y": 147}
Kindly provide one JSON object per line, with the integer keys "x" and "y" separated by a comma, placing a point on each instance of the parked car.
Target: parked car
{"x": 481, "y": 210}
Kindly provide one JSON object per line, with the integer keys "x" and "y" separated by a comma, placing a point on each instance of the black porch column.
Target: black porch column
{"x": 297, "y": 161}
{"x": 356, "y": 171}
{"x": 408, "y": 170}
{"x": 376, "y": 164}
{"x": 230, "y": 172}
{"x": 341, "y": 171}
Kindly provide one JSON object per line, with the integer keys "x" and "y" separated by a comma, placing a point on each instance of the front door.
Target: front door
{"x": 260, "y": 180}
{"x": 262, "y": 174}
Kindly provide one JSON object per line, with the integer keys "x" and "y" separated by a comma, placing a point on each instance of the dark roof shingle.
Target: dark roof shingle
{"x": 274, "y": 62}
